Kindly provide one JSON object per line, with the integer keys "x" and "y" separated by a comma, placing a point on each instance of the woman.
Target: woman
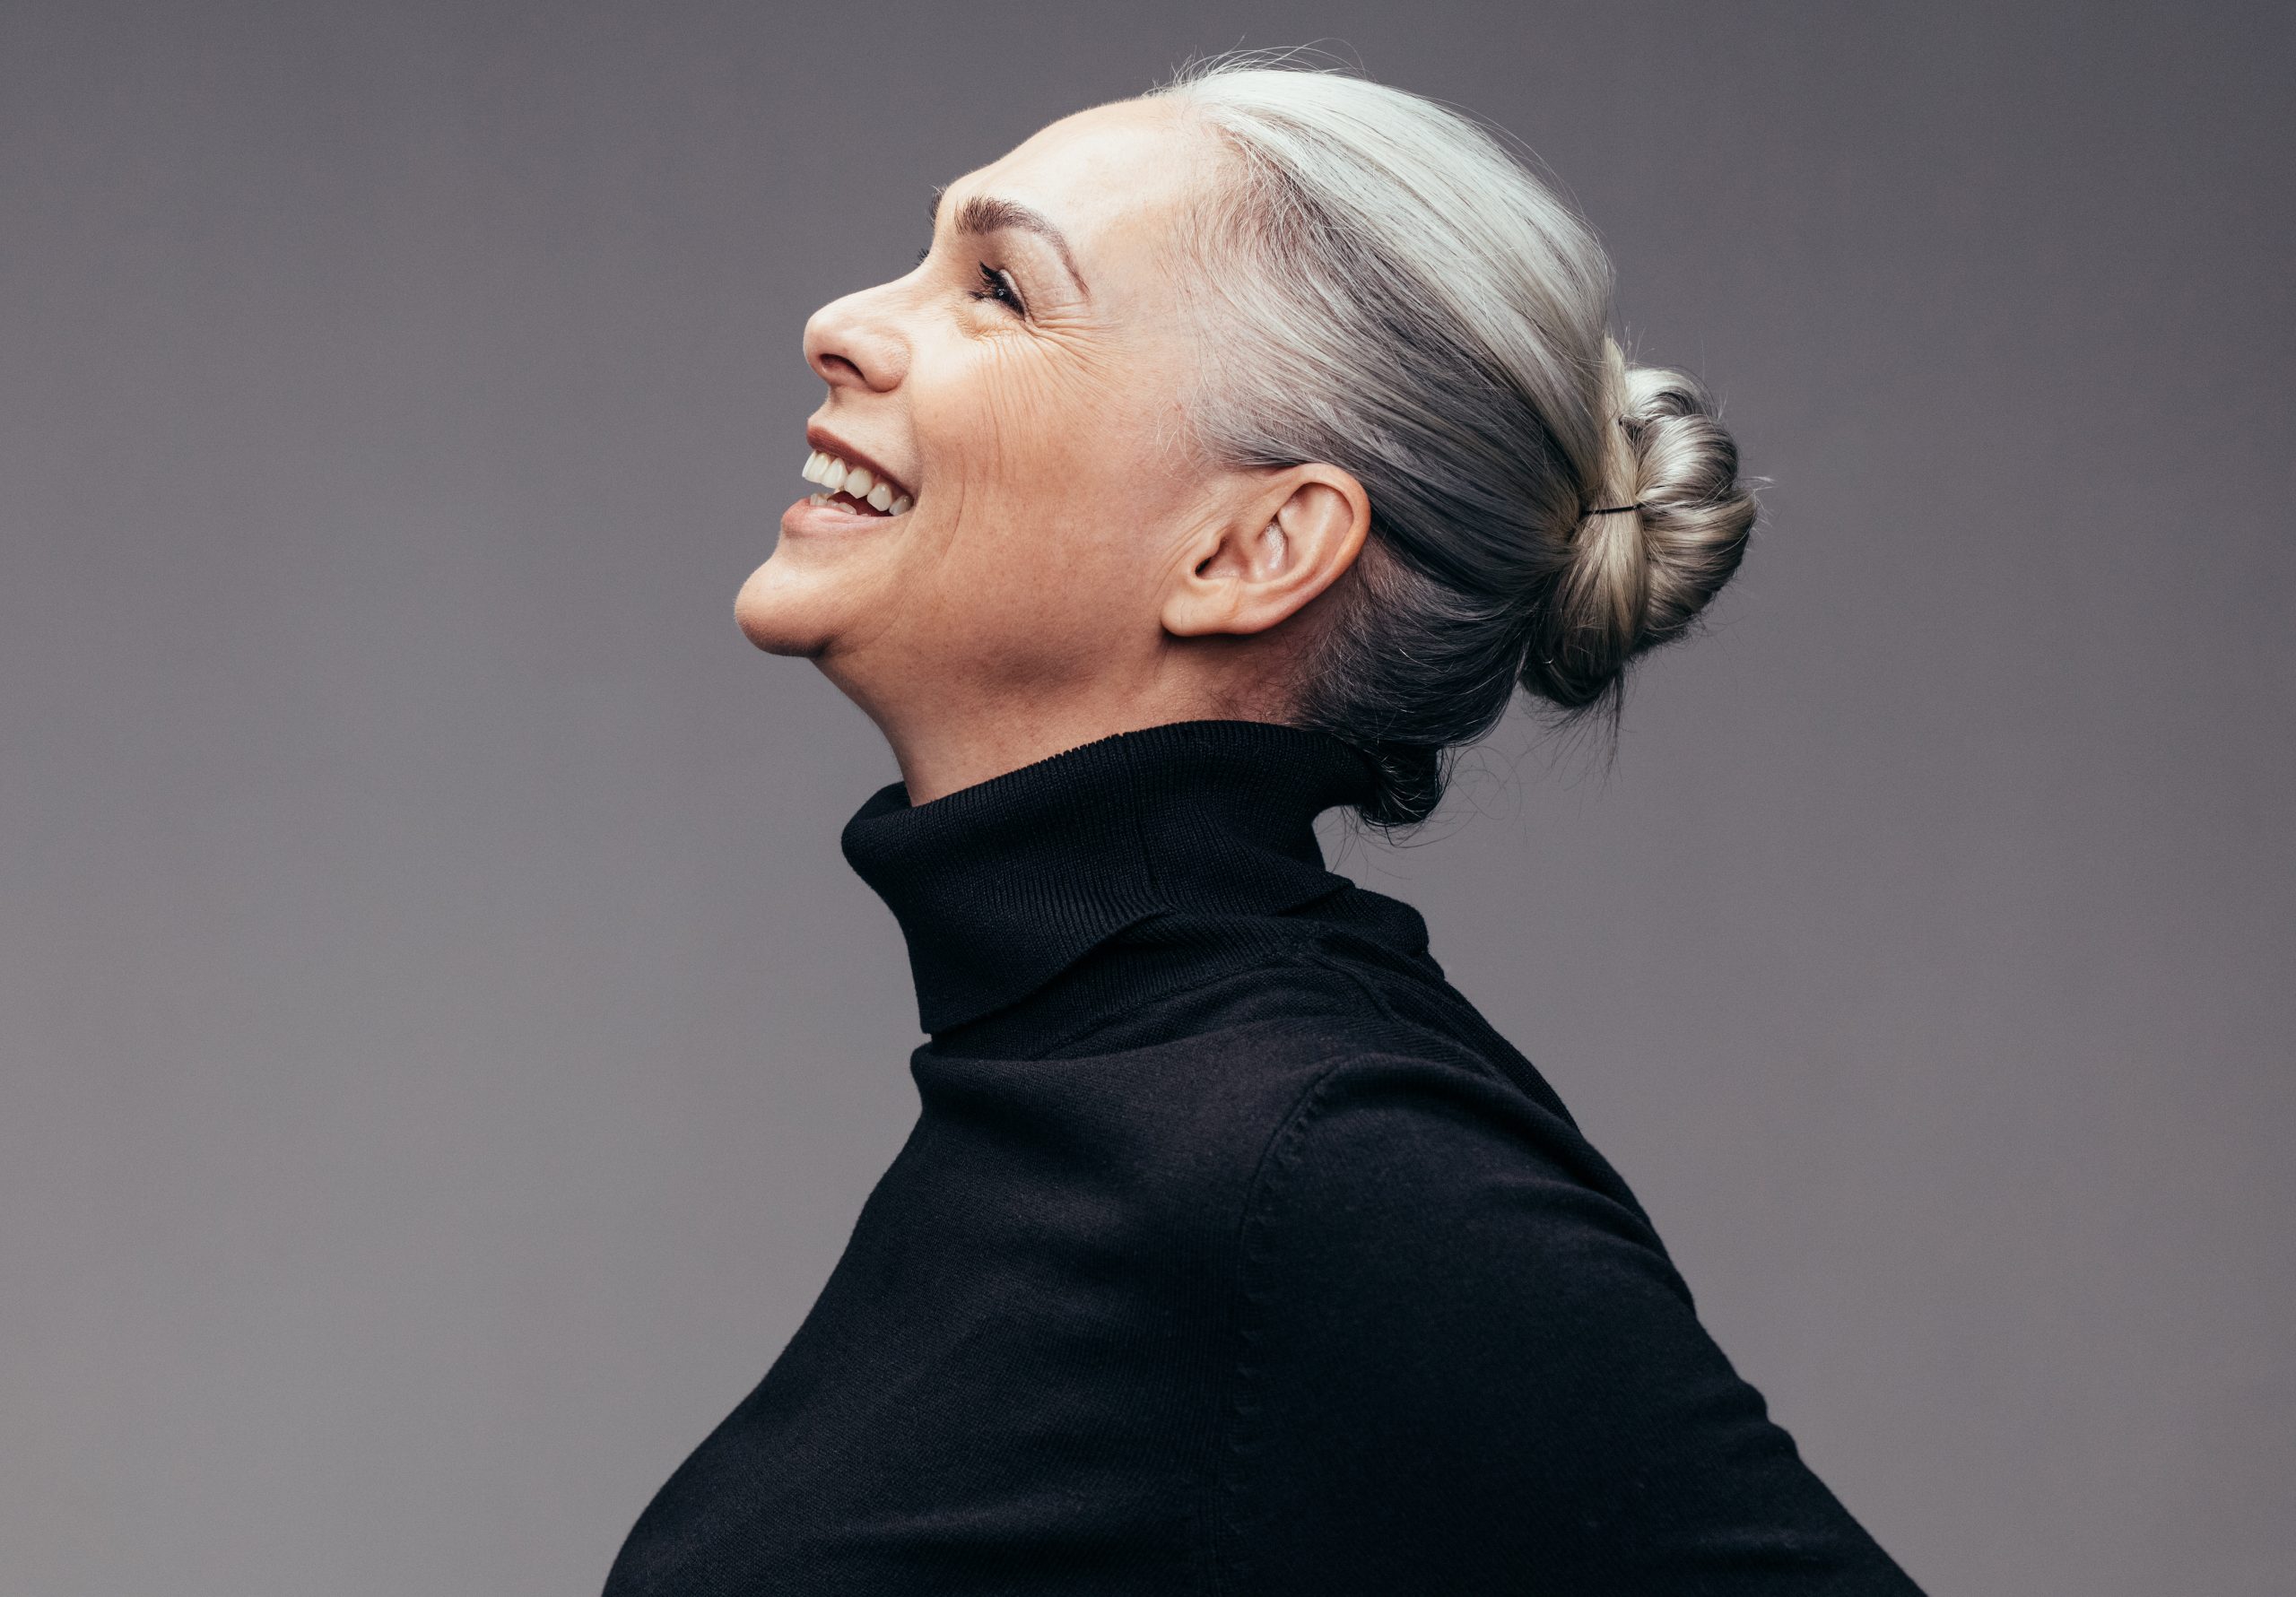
{"x": 1231, "y": 454}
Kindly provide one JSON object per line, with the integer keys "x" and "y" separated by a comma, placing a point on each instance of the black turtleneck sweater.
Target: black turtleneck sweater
{"x": 1231, "y": 1251}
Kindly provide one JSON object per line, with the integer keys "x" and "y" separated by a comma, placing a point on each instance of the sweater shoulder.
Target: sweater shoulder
{"x": 1433, "y": 1266}
{"x": 1404, "y": 1137}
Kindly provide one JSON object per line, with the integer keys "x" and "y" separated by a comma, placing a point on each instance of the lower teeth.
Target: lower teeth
{"x": 843, "y": 502}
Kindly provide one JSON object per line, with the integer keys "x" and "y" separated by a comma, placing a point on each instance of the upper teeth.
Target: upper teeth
{"x": 837, "y": 477}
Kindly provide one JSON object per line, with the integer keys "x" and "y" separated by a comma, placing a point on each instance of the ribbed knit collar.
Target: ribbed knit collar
{"x": 1001, "y": 886}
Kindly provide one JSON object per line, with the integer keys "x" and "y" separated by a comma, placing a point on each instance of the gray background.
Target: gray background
{"x": 444, "y": 1050}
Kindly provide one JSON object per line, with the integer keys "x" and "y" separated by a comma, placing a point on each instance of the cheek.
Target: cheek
{"x": 1036, "y": 419}
{"x": 1046, "y": 494}
{"x": 1030, "y": 591}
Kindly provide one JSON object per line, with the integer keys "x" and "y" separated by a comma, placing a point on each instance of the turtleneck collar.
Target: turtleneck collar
{"x": 1001, "y": 886}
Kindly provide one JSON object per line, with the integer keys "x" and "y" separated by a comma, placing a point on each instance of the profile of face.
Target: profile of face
{"x": 1039, "y": 557}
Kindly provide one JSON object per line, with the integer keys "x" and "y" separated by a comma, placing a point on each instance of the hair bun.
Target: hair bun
{"x": 1637, "y": 578}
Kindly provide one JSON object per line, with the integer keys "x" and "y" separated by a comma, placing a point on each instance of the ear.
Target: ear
{"x": 1291, "y": 536}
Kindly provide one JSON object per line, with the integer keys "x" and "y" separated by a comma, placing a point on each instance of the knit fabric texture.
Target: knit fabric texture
{"x": 1230, "y": 1252}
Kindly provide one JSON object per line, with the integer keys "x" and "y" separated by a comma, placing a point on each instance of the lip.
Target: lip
{"x": 828, "y": 443}
{"x": 806, "y": 519}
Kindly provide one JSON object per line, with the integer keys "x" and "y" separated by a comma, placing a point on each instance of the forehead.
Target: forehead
{"x": 1114, "y": 170}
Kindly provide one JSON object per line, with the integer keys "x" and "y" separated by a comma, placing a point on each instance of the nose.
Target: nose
{"x": 853, "y": 343}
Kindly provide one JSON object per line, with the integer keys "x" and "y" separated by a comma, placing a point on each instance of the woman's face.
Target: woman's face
{"x": 1022, "y": 388}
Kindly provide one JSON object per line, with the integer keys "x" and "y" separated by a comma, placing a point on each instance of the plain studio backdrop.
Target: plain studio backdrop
{"x": 445, "y": 1051}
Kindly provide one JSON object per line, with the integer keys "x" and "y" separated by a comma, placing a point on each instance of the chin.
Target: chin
{"x": 776, "y": 613}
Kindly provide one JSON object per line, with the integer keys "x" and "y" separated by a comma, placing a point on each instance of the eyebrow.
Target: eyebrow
{"x": 986, "y": 213}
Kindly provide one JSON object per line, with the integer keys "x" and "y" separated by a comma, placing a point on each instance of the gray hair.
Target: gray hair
{"x": 1396, "y": 294}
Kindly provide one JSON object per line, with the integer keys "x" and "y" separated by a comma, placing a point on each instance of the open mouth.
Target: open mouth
{"x": 854, "y": 488}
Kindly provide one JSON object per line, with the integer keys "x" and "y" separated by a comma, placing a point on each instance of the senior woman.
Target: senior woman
{"x": 1230, "y": 455}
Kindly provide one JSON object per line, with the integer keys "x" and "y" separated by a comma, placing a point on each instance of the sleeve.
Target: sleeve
{"x": 1467, "y": 1366}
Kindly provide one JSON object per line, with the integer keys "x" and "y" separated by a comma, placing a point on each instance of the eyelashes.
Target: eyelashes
{"x": 999, "y": 286}
{"x": 995, "y": 284}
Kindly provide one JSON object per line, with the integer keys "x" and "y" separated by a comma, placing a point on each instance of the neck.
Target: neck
{"x": 946, "y": 741}
{"x": 945, "y": 758}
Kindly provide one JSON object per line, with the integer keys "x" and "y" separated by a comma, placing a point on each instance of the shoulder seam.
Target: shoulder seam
{"x": 1227, "y": 1519}
{"x": 1223, "y": 1488}
{"x": 1225, "y": 1512}
{"x": 1452, "y": 1050}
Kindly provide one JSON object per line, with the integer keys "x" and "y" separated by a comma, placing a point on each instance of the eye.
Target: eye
{"x": 999, "y": 286}
{"x": 923, "y": 253}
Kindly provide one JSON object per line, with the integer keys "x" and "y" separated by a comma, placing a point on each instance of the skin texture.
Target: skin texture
{"x": 1070, "y": 568}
